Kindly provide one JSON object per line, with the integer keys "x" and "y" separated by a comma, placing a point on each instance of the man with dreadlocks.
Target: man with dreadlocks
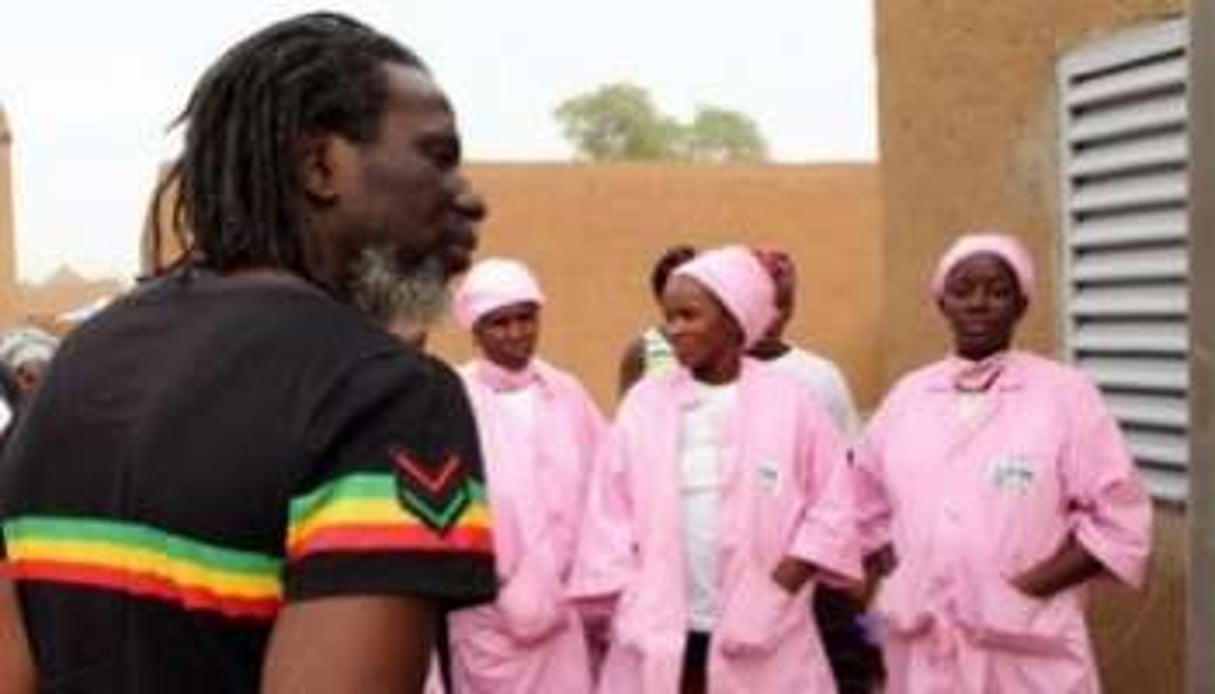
{"x": 233, "y": 478}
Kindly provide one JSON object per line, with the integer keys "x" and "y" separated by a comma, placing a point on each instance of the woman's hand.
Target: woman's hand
{"x": 1070, "y": 565}
{"x": 792, "y": 573}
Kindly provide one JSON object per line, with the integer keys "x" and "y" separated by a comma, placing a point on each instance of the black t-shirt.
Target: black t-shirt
{"x": 207, "y": 449}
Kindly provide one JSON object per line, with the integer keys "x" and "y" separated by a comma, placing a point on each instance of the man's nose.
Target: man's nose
{"x": 469, "y": 202}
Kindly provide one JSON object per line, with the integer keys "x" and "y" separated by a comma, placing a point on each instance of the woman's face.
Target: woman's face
{"x": 508, "y": 336}
{"x": 983, "y": 302}
{"x": 706, "y": 339}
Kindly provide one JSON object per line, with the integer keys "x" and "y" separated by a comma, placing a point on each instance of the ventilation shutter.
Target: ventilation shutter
{"x": 1124, "y": 256}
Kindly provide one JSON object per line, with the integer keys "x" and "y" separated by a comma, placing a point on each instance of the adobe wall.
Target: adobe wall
{"x": 592, "y": 233}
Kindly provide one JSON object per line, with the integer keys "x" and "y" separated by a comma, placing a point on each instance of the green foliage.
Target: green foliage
{"x": 616, "y": 122}
{"x": 722, "y": 135}
{"x": 619, "y": 122}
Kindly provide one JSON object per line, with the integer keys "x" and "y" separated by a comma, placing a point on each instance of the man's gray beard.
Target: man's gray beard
{"x": 391, "y": 293}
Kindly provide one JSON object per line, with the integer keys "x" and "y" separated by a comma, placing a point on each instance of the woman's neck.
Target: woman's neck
{"x": 767, "y": 350}
{"x": 720, "y": 372}
{"x": 977, "y": 355}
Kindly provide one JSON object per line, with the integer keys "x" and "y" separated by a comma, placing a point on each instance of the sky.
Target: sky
{"x": 89, "y": 88}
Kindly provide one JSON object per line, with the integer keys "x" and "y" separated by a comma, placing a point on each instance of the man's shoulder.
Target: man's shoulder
{"x": 259, "y": 308}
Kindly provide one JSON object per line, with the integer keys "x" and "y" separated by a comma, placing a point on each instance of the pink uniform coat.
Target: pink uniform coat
{"x": 531, "y": 639}
{"x": 969, "y": 506}
{"x": 785, "y": 492}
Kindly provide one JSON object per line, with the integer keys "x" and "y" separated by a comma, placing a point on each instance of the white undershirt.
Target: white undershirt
{"x": 521, "y": 404}
{"x": 970, "y": 406}
{"x": 826, "y": 381}
{"x": 699, "y": 454}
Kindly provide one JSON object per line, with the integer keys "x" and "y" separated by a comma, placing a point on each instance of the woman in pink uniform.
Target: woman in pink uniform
{"x": 539, "y": 433}
{"x": 998, "y": 485}
{"x": 720, "y": 497}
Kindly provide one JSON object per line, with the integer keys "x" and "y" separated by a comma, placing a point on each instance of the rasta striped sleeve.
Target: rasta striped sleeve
{"x": 363, "y": 512}
{"x": 357, "y": 513}
{"x": 144, "y": 561}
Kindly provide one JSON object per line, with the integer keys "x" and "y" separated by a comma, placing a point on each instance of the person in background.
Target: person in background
{"x": 855, "y": 661}
{"x": 995, "y": 485}
{"x": 818, "y": 373}
{"x": 27, "y": 352}
{"x": 25, "y": 355}
{"x": 651, "y": 352}
{"x": 10, "y": 398}
{"x": 721, "y": 498}
{"x": 233, "y": 479}
{"x": 539, "y": 431}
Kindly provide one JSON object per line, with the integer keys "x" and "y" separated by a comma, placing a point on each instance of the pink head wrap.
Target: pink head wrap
{"x": 1008, "y": 248}
{"x": 782, "y": 269}
{"x": 741, "y": 283}
{"x": 492, "y": 284}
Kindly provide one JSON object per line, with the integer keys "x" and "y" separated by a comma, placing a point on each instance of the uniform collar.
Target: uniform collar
{"x": 687, "y": 390}
{"x": 502, "y": 380}
{"x": 1010, "y": 364}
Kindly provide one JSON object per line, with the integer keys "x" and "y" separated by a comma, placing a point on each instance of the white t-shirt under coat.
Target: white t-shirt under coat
{"x": 700, "y": 445}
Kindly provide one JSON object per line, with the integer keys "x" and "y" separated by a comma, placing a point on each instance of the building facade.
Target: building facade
{"x": 971, "y": 131}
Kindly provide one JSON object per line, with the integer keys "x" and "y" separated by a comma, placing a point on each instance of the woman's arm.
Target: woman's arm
{"x": 1071, "y": 564}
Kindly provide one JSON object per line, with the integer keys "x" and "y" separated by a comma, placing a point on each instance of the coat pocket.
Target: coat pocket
{"x": 531, "y": 602}
{"x": 758, "y": 615}
{"x": 1010, "y": 620}
{"x": 900, "y": 608}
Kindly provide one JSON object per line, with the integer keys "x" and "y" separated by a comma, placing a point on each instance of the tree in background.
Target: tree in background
{"x": 619, "y": 122}
{"x": 721, "y": 135}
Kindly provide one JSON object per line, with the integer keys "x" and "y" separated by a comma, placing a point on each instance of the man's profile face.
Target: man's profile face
{"x": 404, "y": 190}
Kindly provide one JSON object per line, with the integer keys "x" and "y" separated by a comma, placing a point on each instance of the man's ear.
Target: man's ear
{"x": 320, "y": 167}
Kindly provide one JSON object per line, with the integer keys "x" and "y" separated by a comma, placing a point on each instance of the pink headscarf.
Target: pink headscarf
{"x": 1008, "y": 248}
{"x": 782, "y": 269}
{"x": 492, "y": 284}
{"x": 741, "y": 283}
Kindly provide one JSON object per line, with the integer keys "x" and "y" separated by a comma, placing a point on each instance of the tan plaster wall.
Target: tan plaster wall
{"x": 592, "y": 234}
{"x": 968, "y": 137}
{"x": 1140, "y": 635}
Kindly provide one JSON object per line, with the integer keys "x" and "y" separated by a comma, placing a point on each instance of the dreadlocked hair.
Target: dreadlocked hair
{"x": 239, "y": 196}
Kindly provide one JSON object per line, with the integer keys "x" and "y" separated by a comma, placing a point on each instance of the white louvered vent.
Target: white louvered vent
{"x": 1124, "y": 254}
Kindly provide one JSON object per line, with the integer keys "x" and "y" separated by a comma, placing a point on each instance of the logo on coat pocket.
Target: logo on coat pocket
{"x": 1014, "y": 473}
{"x": 768, "y": 475}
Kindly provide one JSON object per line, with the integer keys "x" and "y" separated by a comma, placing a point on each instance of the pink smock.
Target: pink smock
{"x": 785, "y": 492}
{"x": 968, "y": 504}
{"x": 531, "y": 639}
